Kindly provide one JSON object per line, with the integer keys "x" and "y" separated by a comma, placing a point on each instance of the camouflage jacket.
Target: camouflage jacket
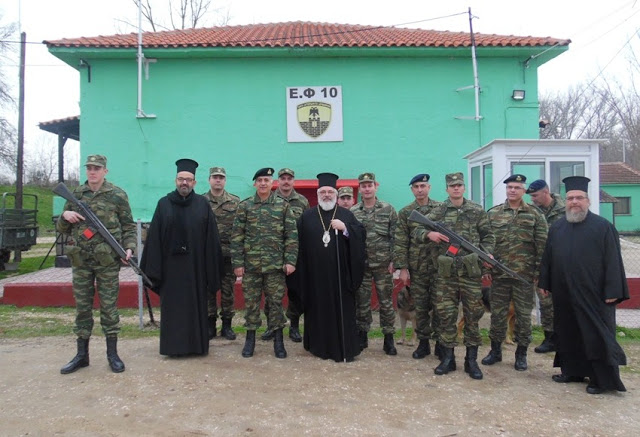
{"x": 554, "y": 211}
{"x": 264, "y": 236}
{"x": 111, "y": 205}
{"x": 297, "y": 202}
{"x": 410, "y": 251}
{"x": 224, "y": 207}
{"x": 469, "y": 221}
{"x": 380, "y": 223}
{"x": 521, "y": 235}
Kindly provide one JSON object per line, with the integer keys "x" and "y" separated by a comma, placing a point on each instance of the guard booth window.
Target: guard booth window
{"x": 560, "y": 170}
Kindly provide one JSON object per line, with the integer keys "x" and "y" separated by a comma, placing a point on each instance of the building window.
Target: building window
{"x": 622, "y": 206}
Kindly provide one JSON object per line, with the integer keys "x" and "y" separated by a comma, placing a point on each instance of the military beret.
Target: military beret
{"x": 536, "y": 185}
{"x": 454, "y": 178}
{"x": 97, "y": 160}
{"x": 217, "y": 171}
{"x": 345, "y": 191}
{"x": 287, "y": 171}
{"x": 516, "y": 178}
{"x": 422, "y": 177}
{"x": 187, "y": 164}
{"x": 366, "y": 177}
{"x": 267, "y": 171}
{"x": 576, "y": 183}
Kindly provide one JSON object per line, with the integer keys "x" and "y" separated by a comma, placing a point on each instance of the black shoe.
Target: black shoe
{"x": 593, "y": 389}
{"x": 388, "y": 346}
{"x": 268, "y": 335}
{"x": 495, "y": 354}
{"x": 471, "y": 363}
{"x": 364, "y": 340}
{"x": 448, "y": 363}
{"x": 114, "y": 360}
{"x": 211, "y": 326}
{"x": 294, "y": 334}
{"x": 437, "y": 350}
{"x": 564, "y": 379}
{"x": 80, "y": 360}
{"x": 521, "y": 358}
{"x": 249, "y": 344}
{"x": 278, "y": 344}
{"x": 423, "y": 349}
{"x": 547, "y": 345}
{"x": 227, "y": 330}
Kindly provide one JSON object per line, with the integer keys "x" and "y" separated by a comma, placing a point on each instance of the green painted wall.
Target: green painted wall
{"x": 629, "y": 222}
{"x": 399, "y": 118}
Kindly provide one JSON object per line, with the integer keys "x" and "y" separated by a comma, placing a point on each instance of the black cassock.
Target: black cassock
{"x": 317, "y": 271}
{"x": 581, "y": 267}
{"x": 183, "y": 258}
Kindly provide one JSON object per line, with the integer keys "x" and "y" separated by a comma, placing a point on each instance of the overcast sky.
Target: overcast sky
{"x": 600, "y": 32}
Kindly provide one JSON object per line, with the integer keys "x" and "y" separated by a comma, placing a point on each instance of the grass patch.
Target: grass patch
{"x": 29, "y": 265}
{"x": 45, "y": 205}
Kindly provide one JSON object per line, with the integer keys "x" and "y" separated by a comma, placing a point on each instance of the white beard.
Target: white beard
{"x": 576, "y": 217}
{"x": 327, "y": 206}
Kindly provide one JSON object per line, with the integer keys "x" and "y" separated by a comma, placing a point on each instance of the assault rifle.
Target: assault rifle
{"x": 456, "y": 242}
{"x": 90, "y": 218}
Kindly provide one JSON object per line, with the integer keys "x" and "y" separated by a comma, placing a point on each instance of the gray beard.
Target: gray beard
{"x": 327, "y": 206}
{"x": 576, "y": 217}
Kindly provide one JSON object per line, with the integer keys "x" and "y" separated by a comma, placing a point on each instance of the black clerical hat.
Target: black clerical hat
{"x": 576, "y": 183}
{"x": 186, "y": 164}
{"x": 327, "y": 179}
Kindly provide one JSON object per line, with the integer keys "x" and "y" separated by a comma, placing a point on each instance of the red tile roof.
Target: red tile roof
{"x": 305, "y": 34}
{"x": 618, "y": 173}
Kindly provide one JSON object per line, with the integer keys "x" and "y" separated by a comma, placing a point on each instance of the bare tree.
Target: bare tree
{"x": 7, "y": 103}
{"x": 180, "y": 14}
{"x": 41, "y": 165}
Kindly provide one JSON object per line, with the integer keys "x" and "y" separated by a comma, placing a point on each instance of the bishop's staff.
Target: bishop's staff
{"x": 344, "y": 348}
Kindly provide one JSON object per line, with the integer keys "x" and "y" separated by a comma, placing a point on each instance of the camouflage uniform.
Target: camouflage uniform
{"x": 415, "y": 255}
{"x": 380, "y": 223}
{"x": 521, "y": 235}
{"x": 95, "y": 264}
{"x": 555, "y": 211}
{"x": 460, "y": 277}
{"x": 263, "y": 240}
{"x": 224, "y": 207}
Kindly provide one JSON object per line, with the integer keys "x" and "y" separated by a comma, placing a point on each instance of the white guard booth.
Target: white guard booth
{"x": 551, "y": 160}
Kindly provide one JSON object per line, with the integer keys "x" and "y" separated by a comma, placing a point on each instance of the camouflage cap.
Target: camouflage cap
{"x": 454, "y": 178}
{"x": 345, "y": 191}
{"x": 217, "y": 171}
{"x": 366, "y": 177}
{"x": 287, "y": 171}
{"x": 98, "y": 160}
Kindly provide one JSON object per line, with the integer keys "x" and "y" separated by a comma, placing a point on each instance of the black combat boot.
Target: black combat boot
{"x": 268, "y": 334}
{"x": 388, "y": 346}
{"x": 278, "y": 344}
{"x": 521, "y": 358}
{"x": 471, "y": 363}
{"x": 548, "y": 344}
{"x": 364, "y": 340}
{"x": 249, "y": 344}
{"x": 495, "y": 354}
{"x": 115, "y": 362}
{"x": 422, "y": 350}
{"x": 437, "y": 350}
{"x": 294, "y": 330}
{"x": 227, "y": 331}
{"x": 447, "y": 363}
{"x": 80, "y": 360}
{"x": 211, "y": 322}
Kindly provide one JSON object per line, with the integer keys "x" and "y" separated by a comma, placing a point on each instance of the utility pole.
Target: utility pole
{"x": 17, "y": 255}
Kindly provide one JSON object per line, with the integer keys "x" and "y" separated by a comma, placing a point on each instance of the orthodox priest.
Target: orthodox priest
{"x": 330, "y": 269}
{"x": 582, "y": 269}
{"x": 183, "y": 258}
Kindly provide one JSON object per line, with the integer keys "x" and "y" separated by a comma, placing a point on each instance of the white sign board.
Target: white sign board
{"x": 314, "y": 114}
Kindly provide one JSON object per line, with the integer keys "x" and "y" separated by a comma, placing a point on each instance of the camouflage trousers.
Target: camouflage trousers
{"x": 424, "y": 298}
{"x": 272, "y": 285}
{"x": 546, "y": 312}
{"x": 449, "y": 292}
{"x": 293, "y": 312}
{"x": 503, "y": 291}
{"x": 226, "y": 295}
{"x": 86, "y": 279}
{"x": 383, "y": 281}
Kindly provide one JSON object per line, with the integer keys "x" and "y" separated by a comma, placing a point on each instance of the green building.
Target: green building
{"x": 623, "y": 183}
{"x": 314, "y": 97}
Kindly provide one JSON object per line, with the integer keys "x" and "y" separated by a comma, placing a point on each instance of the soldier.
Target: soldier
{"x": 345, "y": 197}
{"x": 224, "y": 206}
{"x": 553, "y": 208}
{"x": 521, "y": 232}
{"x": 297, "y": 204}
{"x": 413, "y": 258}
{"x": 95, "y": 265}
{"x": 459, "y": 274}
{"x": 380, "y": 220}
{"x": 264, "y": 249}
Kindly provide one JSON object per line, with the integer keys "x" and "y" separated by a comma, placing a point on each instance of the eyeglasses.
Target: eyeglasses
{"x": 187, "y": 180}
{"x": 325, "y": 192}
{"x": 576, "y": 198}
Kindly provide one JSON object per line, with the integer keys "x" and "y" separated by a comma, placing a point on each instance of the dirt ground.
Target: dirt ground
{"x": 225, "y": 394}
